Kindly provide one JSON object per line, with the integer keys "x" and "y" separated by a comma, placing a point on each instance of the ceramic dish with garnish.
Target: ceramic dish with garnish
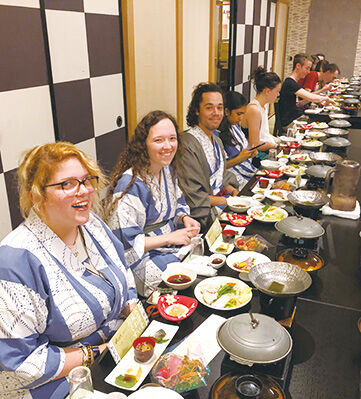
{"x": 277, "y": 195}
{"x": 300, "y": 157}
{"x": 243, "y": 261}
{"x": 223, "y": 293}
{"x": 293, "y": 170}
{"x": 267, "y": 213}
{"x": 176, "y": 307}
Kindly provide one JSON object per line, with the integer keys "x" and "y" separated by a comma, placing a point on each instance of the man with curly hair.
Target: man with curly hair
{"x": 204, "y": 178}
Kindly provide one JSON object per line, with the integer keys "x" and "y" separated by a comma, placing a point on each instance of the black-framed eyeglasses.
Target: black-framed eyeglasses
{"x": 72, "y": 185}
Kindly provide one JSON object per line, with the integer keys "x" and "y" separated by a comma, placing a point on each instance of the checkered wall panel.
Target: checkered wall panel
{"x": 254, "y": 41}
{"x": 61, "y": 78}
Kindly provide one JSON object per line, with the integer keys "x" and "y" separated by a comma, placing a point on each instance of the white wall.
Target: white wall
{"x": 195, "y": 47}
{"x": 155, "y": 56}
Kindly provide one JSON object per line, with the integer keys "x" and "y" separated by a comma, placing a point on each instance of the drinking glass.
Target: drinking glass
{"x": 290, "y": 132}
{"x": 197, "y": 247}
{"x": 272, "y": 154}
{"x": 81, "y": 386}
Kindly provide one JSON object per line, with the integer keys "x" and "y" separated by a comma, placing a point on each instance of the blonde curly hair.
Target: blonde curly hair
{"x": 37, "y": 167}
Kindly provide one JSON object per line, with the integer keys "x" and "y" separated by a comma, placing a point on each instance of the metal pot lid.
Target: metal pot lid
{"x": 329, "y": 157}
{"x": 308, "y": 198}
{"x": 339, "y": 115}
{"x": 351, "y": 100}
{"x": 334, "y": 131}
{"x": 319, "y": 171}
{"x": 337, "y": 142}
{"x": 260, "y": 341}
{"x": 339, "y": 123}
{"x": 299, "y": 227}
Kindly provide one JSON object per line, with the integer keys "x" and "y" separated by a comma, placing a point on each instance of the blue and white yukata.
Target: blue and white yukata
{"x": 49, "y": 300}
{"x": 145, "y": 211}
{"x": 244, "y": 170}
{"x": 203, "y": 173}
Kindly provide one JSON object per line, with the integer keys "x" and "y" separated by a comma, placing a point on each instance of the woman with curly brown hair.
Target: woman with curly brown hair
{"x": 144, "y": 206}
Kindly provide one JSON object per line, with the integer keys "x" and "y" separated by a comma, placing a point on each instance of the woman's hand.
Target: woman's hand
{"x": 245, "y": 154}
{"x": 182, "y": 236}
{"x": 190, "y": 222}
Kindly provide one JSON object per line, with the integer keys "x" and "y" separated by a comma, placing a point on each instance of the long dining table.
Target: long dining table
{"x": 326, "y": 354}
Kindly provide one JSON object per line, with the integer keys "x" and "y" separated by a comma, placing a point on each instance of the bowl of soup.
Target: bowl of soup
{"x": 178, "y": 276}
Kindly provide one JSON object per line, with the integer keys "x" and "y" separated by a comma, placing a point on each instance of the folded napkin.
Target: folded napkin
{"x": 355, "y": 214}
{"x": 200, "y": 265}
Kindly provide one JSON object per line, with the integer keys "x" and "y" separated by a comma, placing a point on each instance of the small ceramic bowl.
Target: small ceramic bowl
{"x": 143, "y": 349}
{"x": 217, "y": 260}
{"x": 270, "y": 165}
{"x": 178, "y": 269}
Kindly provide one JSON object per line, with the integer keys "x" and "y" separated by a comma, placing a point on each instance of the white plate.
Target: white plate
{"x": 286, "y": 139}
{"x": 313, "y": 111}
{"x": 128, "y": 360}
{"x": 241, "y": 256}
{"x": 315, "y": 134}
{"x": 220, "y": 241}
{"x": 219, "y": 280}
{"x": 319, "y": 125}
{"x": 300, "y": 158}
{"x": 271, "y": 194}
{"x": 312, "y": 144}
{"x": 254, "y": 211}
{"x": 155, "y": 392}
{"x": 292, "y": 171}
{"x": 270, "y": 165}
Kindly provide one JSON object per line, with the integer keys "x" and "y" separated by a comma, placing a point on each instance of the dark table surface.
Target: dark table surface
{"x": 326, "y": 355}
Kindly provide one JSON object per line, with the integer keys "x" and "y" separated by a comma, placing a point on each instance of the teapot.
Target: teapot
{"x": 343, "y": 191}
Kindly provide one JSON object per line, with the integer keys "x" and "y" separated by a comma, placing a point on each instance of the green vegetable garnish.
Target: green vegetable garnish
{"x": 125, "y": 382}
{"x": 225, "y": 289}
{"x": 266, "y": 207}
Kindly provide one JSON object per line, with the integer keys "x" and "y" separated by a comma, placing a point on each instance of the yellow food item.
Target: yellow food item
{"x": 176, "y": 310}
{"x": 223, "y": 247}
{"x": 131, "y": 373}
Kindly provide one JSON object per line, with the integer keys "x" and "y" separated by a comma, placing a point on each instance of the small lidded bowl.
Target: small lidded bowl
{"x": 143, "y": 349}
{"x": 217, "y": 260}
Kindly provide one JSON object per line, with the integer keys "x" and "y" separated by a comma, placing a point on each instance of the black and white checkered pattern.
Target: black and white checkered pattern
{"x": 254, "y": 41}
{"x": 61, "y": 77}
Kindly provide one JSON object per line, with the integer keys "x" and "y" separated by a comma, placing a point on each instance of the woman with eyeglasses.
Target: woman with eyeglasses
{"x": 144, "y": 206}
{"x": 63, "y": 277}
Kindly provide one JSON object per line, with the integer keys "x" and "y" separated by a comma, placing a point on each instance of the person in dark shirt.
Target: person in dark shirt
{"x": 290, "y": 90}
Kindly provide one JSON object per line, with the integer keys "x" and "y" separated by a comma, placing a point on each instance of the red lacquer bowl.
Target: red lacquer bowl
{"x": 166, "y": 301}
{"x": 293, "y": 145}
{"x": 274, "y": 174}
{"x": 239, "y": 220}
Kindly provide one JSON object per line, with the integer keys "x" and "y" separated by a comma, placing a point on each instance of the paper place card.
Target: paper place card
{"x": 196, "y": 343}
{"x": 131, "y": 329}
{"x": 128, "y": 361}
{"x": 213, "y": 233}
